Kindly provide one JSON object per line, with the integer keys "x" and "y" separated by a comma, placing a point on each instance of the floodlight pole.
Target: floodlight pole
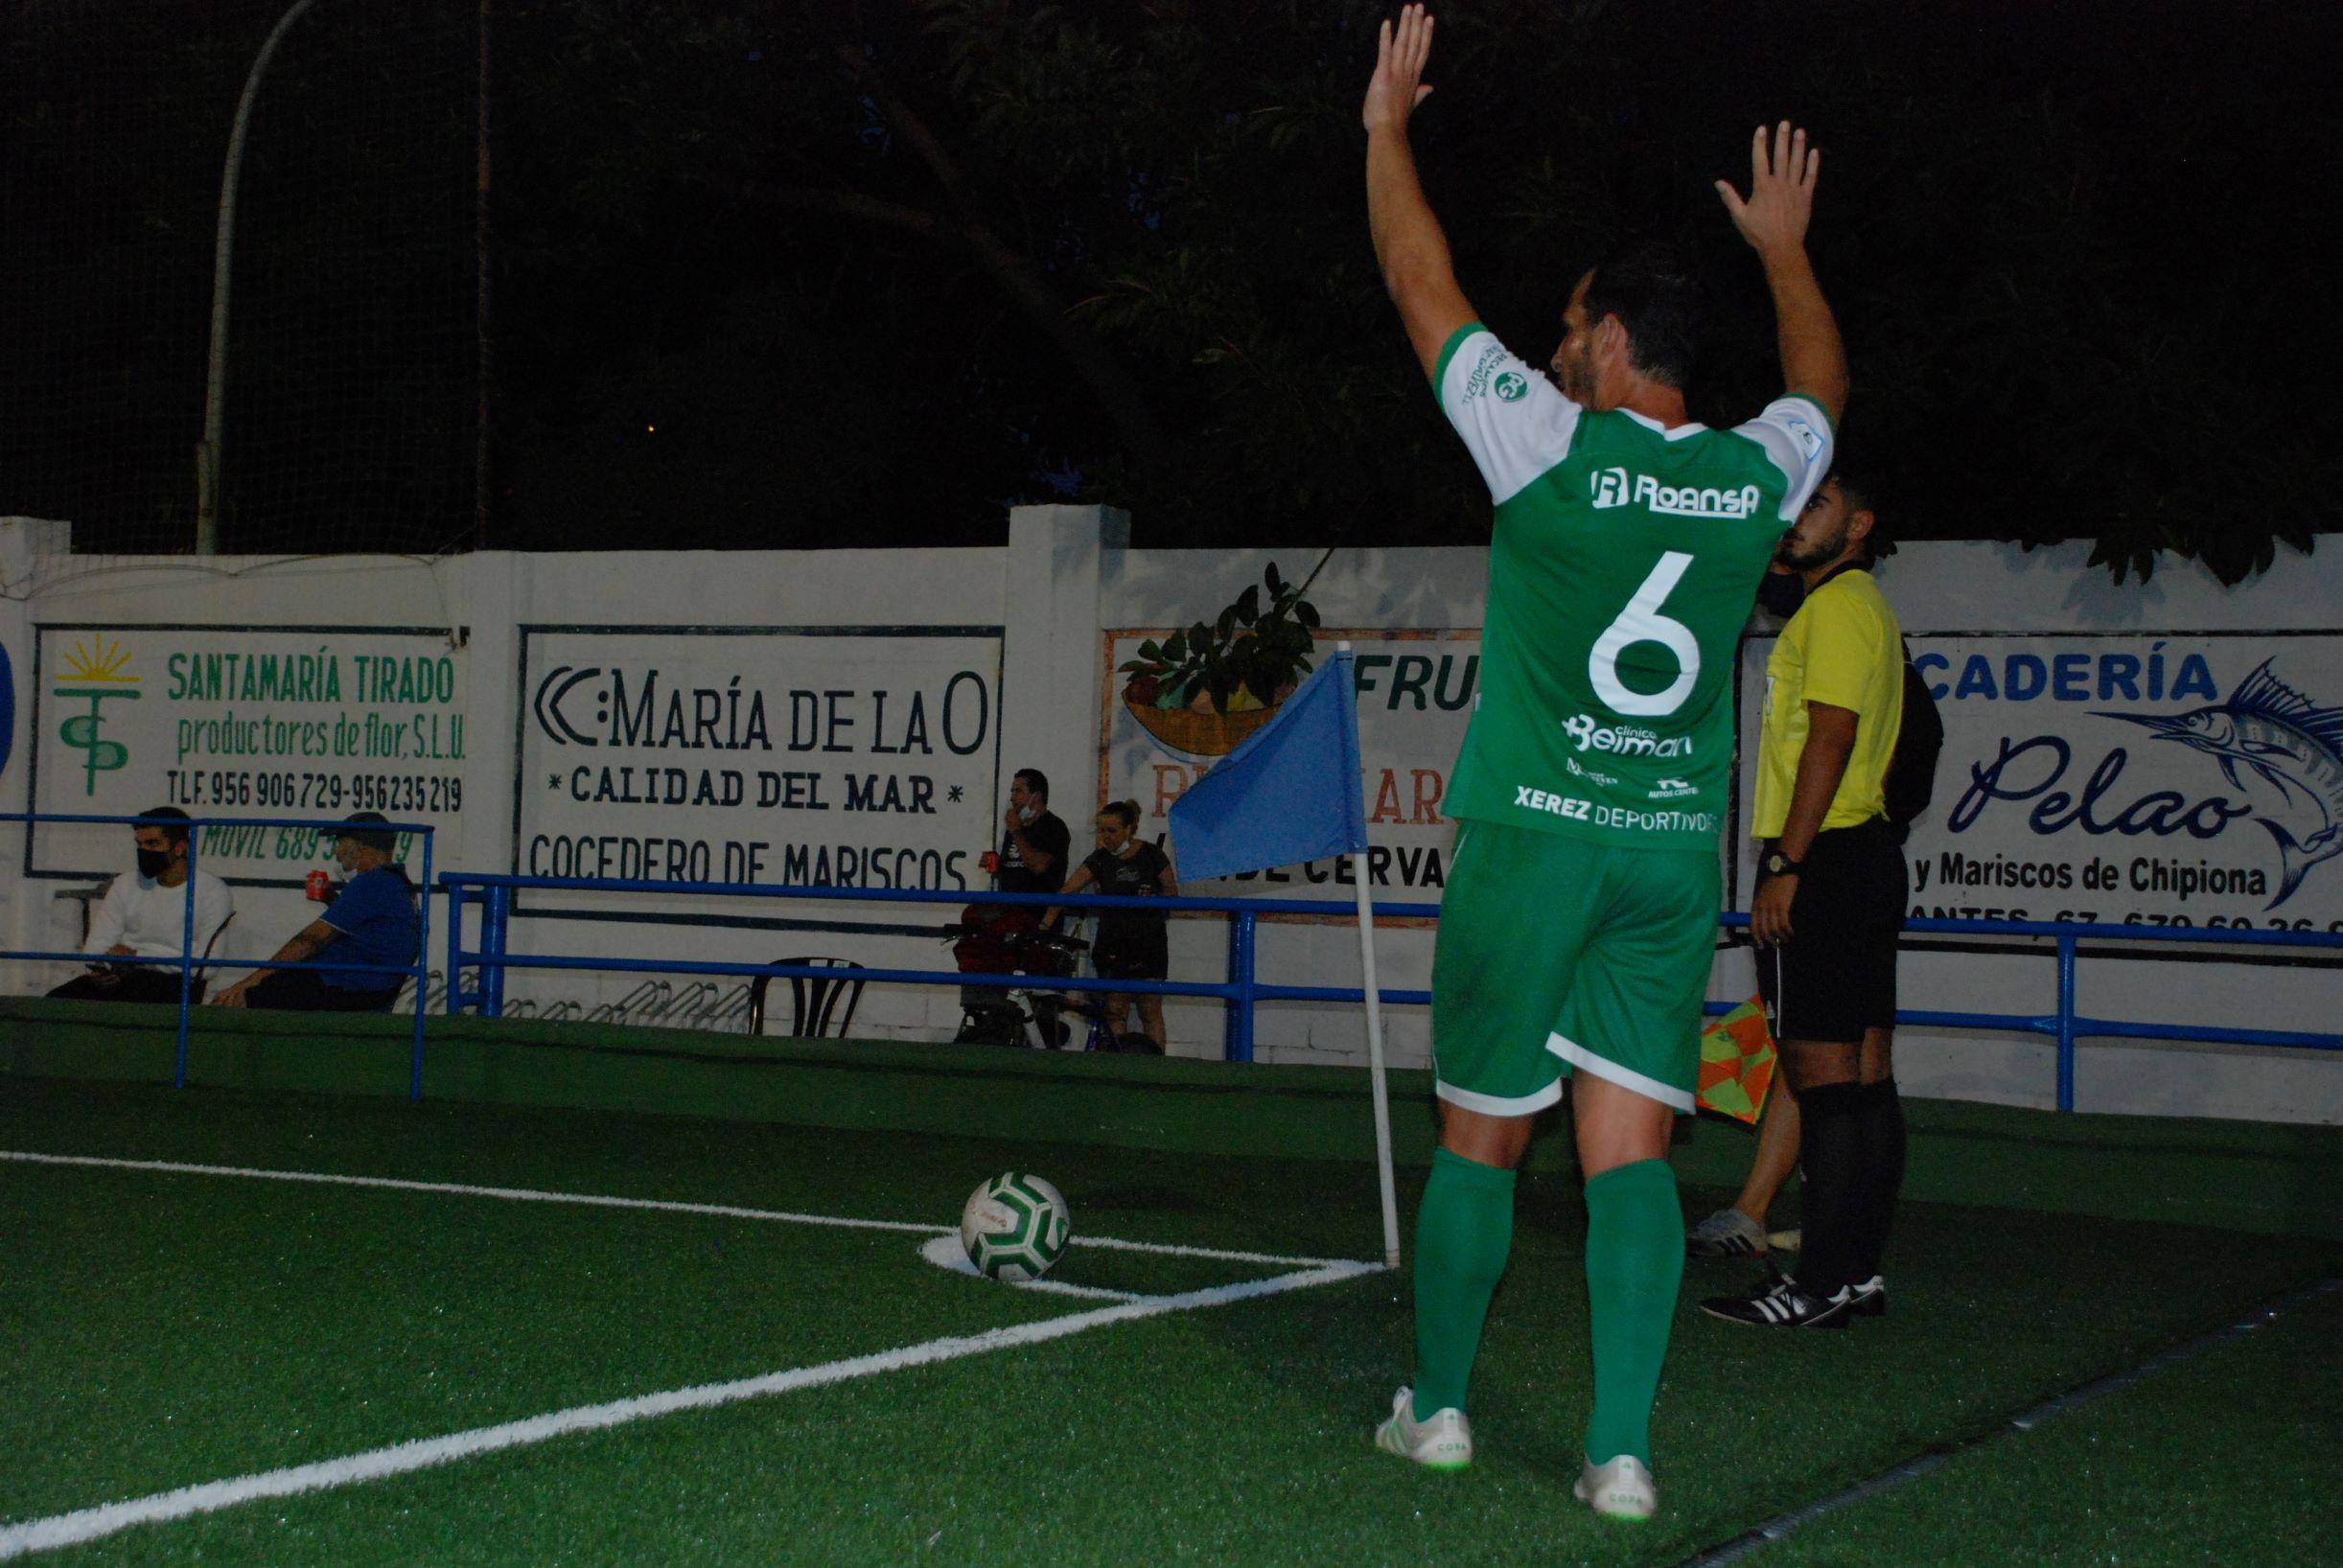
{"x": 224, "y": 257}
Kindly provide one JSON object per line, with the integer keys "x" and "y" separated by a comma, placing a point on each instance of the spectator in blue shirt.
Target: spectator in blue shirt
{"x": 373, "y": 922}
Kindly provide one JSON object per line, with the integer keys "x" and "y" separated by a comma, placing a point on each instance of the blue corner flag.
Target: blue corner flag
{"x": 1289, "y": 794}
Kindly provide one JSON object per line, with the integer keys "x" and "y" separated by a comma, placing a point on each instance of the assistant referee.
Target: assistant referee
{"x": 1829, "y": 905}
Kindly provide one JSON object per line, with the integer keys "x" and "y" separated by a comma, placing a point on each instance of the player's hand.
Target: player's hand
{"x": 1397, "y": 86}
{"x": 1782, "y": 173}
{"x": 233, "y": 996}
{"x": 1769, "y": 911}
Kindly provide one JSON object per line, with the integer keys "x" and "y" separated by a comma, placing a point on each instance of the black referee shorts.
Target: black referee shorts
{"x": 1836, "y": 976}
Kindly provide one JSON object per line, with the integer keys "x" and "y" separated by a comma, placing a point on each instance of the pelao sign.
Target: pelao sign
{"x": 2160, "y": 780}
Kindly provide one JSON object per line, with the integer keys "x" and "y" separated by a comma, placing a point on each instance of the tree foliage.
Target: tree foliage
{"x": 1123, "y": 244}
{"x": 833, "y": 271}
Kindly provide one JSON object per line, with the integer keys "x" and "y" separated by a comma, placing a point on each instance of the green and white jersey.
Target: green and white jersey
{"x": 1625, "y": 558}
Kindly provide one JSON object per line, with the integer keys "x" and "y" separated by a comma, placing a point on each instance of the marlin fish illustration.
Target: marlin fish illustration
{"x": 2276, "y": 732}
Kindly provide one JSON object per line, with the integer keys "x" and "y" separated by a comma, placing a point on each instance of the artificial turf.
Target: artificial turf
{"x": 178, "y": 1329}
{"x": 2227, "y": 1459}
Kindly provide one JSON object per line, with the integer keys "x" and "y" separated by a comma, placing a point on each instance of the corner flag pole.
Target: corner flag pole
{"x": 1377, "y": 1089}
{"x": 1375, "y": 1064}
{"x": 1291, "y": 793}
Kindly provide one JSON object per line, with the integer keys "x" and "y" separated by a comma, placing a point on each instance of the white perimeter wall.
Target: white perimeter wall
{"x": 1053, "y": 596}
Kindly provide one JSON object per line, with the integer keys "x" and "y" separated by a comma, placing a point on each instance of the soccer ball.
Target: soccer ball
{"x": 1015, "y": 1227}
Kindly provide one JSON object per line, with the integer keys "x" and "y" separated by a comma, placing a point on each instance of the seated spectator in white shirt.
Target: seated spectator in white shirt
{"x": 144, "y": 914}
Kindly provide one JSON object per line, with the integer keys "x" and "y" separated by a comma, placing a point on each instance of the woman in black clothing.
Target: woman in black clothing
{"x": 1129, "y": 946}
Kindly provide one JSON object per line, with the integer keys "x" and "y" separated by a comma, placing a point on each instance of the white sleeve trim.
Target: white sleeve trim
{"x": 1514, "y": 422}
{"x": 1798, "y": 438}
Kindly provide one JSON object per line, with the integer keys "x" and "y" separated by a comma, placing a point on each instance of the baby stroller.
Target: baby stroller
{"x": 1008, "y": 939}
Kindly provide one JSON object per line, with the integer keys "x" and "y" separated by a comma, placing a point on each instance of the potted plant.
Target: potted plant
{"x": 1207, "y": 686}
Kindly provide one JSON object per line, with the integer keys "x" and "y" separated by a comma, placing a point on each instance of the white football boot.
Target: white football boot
{"x": 1442, "y": 1441}
{"x": 1620, "y": 1489}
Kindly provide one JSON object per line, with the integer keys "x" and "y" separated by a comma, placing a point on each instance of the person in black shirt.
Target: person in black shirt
{"x": 1130, "y": 946}
{"x": 1034, "y": 845}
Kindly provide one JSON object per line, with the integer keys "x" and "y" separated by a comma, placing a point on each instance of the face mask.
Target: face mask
{"x": 153, "y": 862}
{"x": 1780, "y": 593}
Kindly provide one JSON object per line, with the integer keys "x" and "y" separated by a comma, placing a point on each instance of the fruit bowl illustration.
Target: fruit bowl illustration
{"x": 1202, "y": 732}
{"x": 1206, "y": 687}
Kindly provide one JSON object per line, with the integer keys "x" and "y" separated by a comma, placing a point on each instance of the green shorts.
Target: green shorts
{"x": 1558, "y": 954}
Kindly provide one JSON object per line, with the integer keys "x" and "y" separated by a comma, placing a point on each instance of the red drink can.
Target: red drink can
{"x": 318, "y": 884}
{"x": 989, "y": 860}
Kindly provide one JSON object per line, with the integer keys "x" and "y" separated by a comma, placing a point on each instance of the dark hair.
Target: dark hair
{"x": 1126, "y": 812}
{"x": 1856, "y": 489}
{"x": 1647, "y": 285}
{"x": 1035, "y": 780}
{"x": 386, "y": 842}
{"x": 171, "y": 835}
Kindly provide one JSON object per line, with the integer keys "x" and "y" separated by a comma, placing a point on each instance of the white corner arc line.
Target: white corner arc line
{"x": 721, "y": 1210}
{"x": 1219, "y": 1253}
{"x": 944, "y": 1252}
{"x": 31, "y": 1535}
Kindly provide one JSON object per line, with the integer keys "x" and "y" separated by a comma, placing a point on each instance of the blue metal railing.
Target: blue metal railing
{"x": 494, "y": 894}
{"x": 188, "y": 960}
{"x": 1239, "y": 993}
{"x": 2066, "y": 1025}
{"x": 1244, "y": 989}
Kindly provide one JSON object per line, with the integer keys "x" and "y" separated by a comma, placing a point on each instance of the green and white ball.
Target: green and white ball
{"x": 1015, "y": 1227}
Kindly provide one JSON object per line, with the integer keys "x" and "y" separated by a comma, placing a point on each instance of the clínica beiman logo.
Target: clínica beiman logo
{"x": 95, "y": 673}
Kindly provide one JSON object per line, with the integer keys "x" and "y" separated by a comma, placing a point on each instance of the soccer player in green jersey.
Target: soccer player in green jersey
{"x": 1580, "y": 916}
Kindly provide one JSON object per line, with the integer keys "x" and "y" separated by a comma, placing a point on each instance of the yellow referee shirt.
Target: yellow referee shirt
{"x": 1843, "y": 647}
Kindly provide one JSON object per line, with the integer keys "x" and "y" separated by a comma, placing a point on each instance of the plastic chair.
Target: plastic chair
{"x": 813, "y": 1001}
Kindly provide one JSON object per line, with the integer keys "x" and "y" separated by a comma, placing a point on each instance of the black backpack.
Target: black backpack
{"x": 1912, "y": 771}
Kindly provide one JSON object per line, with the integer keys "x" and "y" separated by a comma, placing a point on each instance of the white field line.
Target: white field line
{"x": 90, "y": 1524}
{"x": 186, "y": 1502}
{"x": 520, "y": 1194}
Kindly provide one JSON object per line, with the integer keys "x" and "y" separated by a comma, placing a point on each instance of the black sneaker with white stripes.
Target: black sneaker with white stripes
{"x": 1780, "y": 1304}
{"x": 1871, "y": 1297}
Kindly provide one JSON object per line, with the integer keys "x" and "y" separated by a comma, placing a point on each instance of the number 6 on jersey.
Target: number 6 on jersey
{"x": 1642, "y": 622}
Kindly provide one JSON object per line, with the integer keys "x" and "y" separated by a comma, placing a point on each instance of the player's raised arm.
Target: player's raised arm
{"x": 1408, "y": 244}
{"x": 1773, "y": 220}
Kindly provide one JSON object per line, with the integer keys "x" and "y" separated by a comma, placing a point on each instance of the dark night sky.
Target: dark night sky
{"x": 2079, "y": 251}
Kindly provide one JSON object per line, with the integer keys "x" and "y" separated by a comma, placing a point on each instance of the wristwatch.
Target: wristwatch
{"x": 1778, "y": 864}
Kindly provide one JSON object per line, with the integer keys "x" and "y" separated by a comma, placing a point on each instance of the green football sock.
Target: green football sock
{"x": 1464, "y": 1229}
{"x": 1635, "y": 1263}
